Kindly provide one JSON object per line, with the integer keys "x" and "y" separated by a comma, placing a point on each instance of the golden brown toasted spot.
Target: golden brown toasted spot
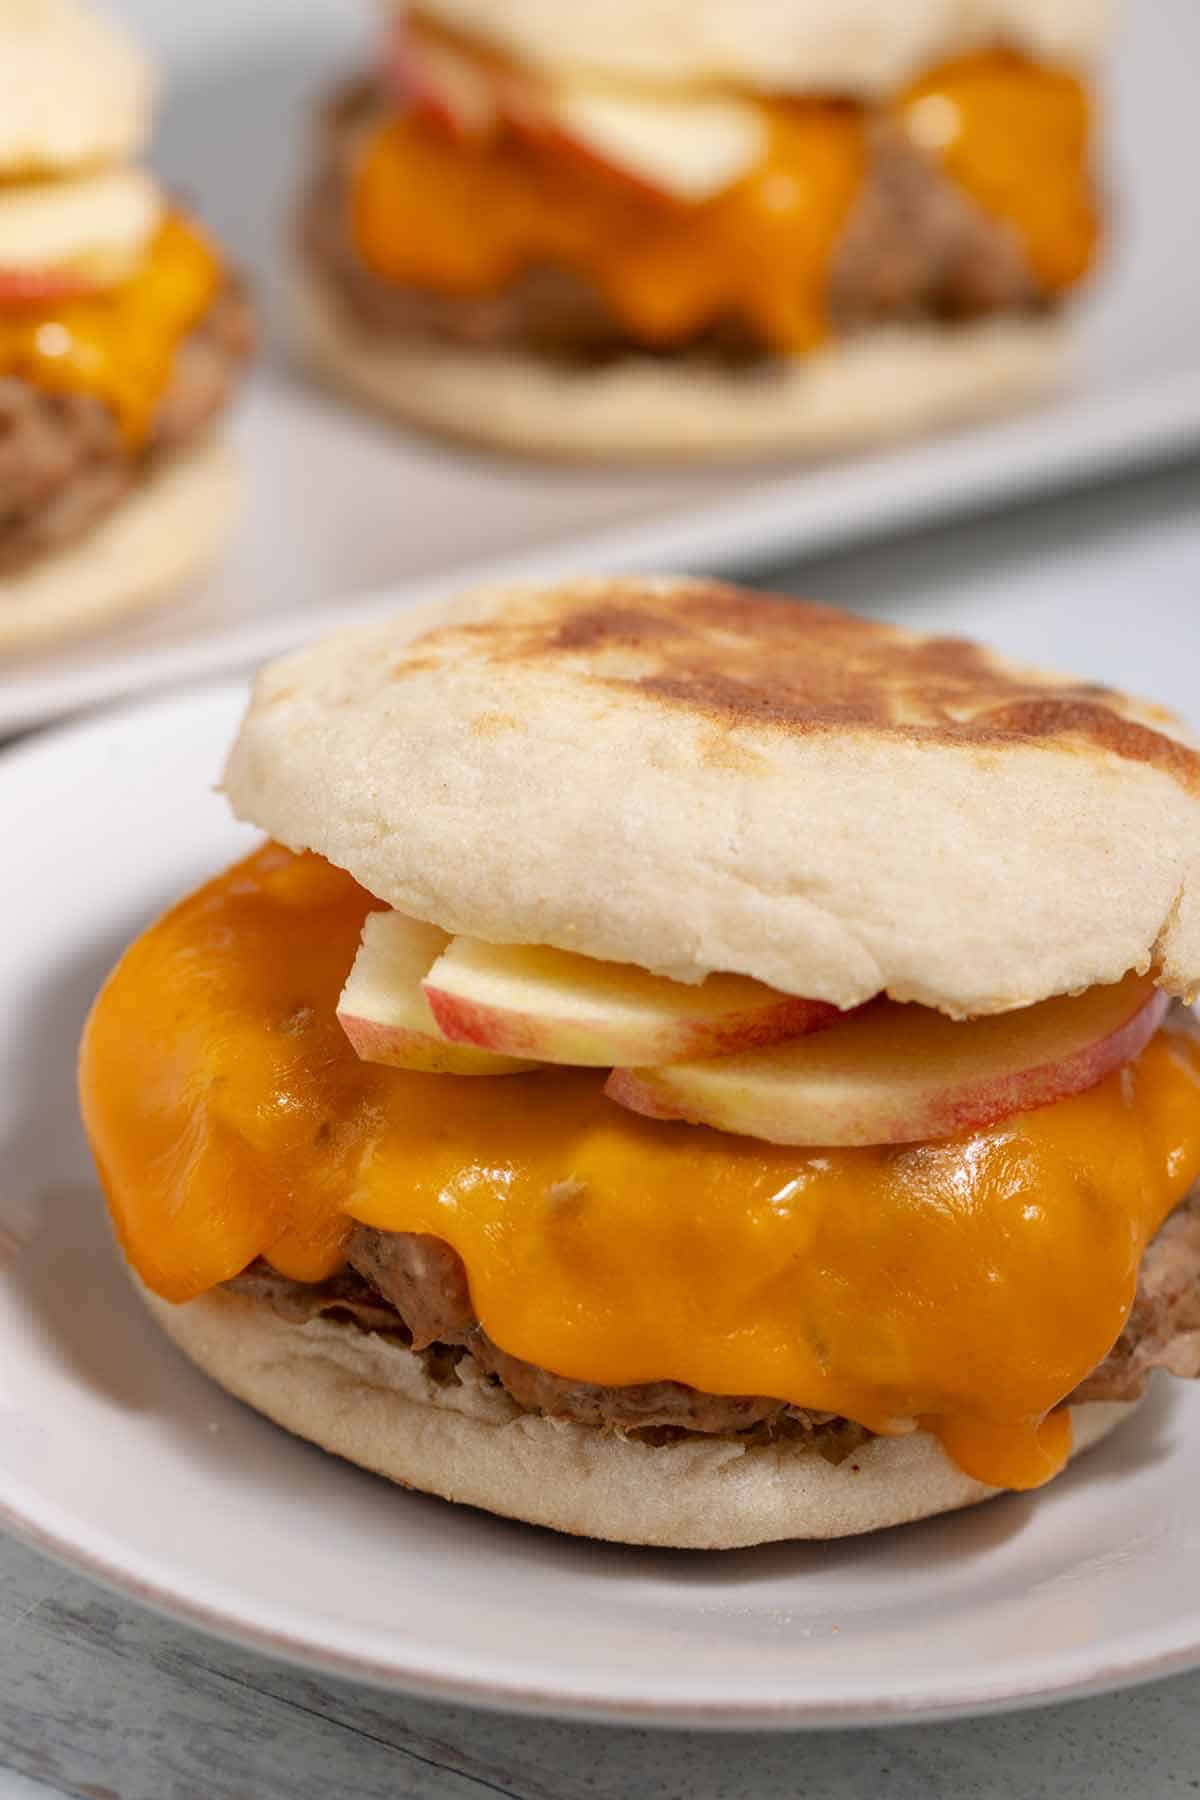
{"x": 489, "y": 724}
{"x": 1102, "y": 727}
{"x": 723, "y": 750}
{"x": 407, "y": 665}
{"x": 736, "y": 658}
{"x": 603, "y": 627}
{"x": 717, "y": 607}
{"x": 747, "y": 703}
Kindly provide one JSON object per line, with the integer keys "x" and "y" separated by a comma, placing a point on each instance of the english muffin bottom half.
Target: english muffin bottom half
{"x": 685, "y": 1067}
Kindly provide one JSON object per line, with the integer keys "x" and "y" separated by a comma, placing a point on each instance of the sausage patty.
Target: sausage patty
{"x": 416, "y": 1287}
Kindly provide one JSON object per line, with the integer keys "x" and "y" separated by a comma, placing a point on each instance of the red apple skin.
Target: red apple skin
{"x": 498, "y": 96}
{"x": 463, "y": 1021}
{"x": 543, "y": 134}
{"x": 1031, "y": 1088}
{"x": 485, "y": 1027}
{"x": 632, "y": 1089}
{"x": 27, "y": 289}
{"x": 433, "y": 113}
{"x": 399, "y": 1047}
{"x": 950, "y": 1113}
{"x": 398, "y": 68}
{"x": 373, "y": 1042}
{"x": 443, "y": 87}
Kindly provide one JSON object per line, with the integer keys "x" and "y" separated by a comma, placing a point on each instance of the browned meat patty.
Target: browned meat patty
{"x": 61, "y": 469}
{"x": 424, "y": 1279}
{"x": 915, "y": 246}
{"x": 63, "y": 464}
{"x": 421, "y": 1277}
{"x": 1163, "y": 1331}
{"x": 416, "y": 1286}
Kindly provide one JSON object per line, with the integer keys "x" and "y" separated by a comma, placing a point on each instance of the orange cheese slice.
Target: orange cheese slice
{"x": 1017, "y": 138}
{"x": 969, "y": 1284}
{"x": 468, "y": 218}
{"x": 118, "y": 345}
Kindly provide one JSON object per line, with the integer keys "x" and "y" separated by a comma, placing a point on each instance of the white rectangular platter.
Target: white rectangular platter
{"x": 345, "y": 516}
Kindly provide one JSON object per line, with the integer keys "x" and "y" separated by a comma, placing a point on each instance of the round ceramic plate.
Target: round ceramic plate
{"x": 118, "y": 1457}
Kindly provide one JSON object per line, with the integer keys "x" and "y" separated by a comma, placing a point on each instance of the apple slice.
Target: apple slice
{"x": 679, "y": 147}
{"x": 24, "y": 289}
{"x": 890, "y": 1074}
{"x": 673, "y": 146}
{"x": 563, "y": 1008}
{"x": 443, "y": 85}
{"x": 386, "y": 1016}
{"x": 61, "y": 238}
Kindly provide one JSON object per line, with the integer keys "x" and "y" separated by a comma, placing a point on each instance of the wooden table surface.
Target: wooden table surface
{"x": 98, "y": 1697}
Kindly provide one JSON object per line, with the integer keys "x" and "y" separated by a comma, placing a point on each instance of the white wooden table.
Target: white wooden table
{"x": 100, "y": 1698}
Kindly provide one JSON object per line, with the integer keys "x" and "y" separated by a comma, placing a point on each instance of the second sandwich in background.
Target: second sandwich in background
{"x": 122, "y": 337}
{"x": 703, "y": 229}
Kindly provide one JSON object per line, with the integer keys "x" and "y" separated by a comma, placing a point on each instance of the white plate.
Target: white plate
{"x": 120, "y": 1458}
{"x": 341, "y": 505}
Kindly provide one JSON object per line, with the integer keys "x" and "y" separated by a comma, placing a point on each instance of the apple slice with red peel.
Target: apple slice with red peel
{"x": 890, "y": 1074}
{"x": 562, "y": 1008}
{"x": 27, "y": 289}
{"x": 62, "y": 239}
{"x": 386, "y": 1016}
{"x": 673, "y": 147}
{"x": 443, "y": 85}
{"x": 682, "y": 148}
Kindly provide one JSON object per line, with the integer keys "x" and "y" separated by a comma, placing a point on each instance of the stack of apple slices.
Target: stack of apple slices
{"x": 66, "y": 239}
{"x": 671, "y": 146}
{"x": 729, "y": 1052}
{"x": 419, "y": 999}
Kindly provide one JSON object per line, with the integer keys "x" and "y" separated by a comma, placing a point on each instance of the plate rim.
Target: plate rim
{"x": 530, "y": 1700}
{"x": 1146, "y": 1655}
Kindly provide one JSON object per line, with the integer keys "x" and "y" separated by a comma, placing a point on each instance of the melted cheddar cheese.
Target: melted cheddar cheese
{"x": 1016, "y": 138}
{"x": 118, "y": 345}
{"x": 466, "y": 218}
{"x": 968, "y": 1284}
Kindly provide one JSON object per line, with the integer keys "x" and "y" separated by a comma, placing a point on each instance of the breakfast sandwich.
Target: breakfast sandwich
{"x": 122, "y": 337}
{"x": 698, "y": 228}
{"x": 685, "y": 1067}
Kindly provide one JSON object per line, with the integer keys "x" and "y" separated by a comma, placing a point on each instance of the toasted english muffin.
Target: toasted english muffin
{"x": 860, "y": 47}
{"x": 690, "y": 777}
{"x": 75, "y": 92}
{"x": 890, "y": 383}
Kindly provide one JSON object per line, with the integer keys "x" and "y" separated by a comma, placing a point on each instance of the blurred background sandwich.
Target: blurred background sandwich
{"x": 704, "y": 229}
{"x": 122, "y": 337}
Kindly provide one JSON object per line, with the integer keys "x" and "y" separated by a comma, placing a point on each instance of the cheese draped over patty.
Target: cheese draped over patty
{"x": 466, "y": 218}
{"x": 118, "y": 344}
{"x": 967, "y": 1285}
